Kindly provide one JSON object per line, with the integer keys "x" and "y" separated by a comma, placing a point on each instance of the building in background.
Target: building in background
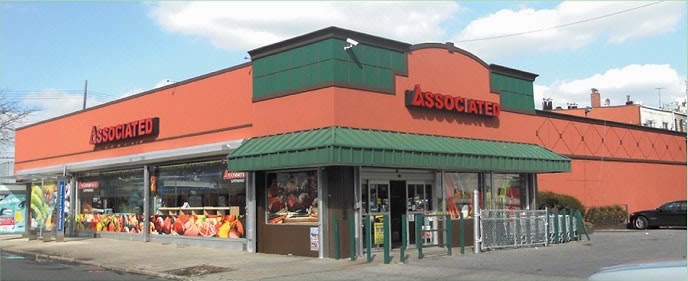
{"x": 7, "y": 170}
{"x": 628, "y": 113}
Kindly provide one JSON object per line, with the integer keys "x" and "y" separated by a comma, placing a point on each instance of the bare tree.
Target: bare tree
{"x": 11, "y": 115}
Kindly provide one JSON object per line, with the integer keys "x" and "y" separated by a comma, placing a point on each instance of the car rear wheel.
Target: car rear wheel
{"x": 640, "y": 223}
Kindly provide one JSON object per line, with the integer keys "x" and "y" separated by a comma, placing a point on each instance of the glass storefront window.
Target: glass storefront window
{"x": 458, "y": 188}
{"x": 292, "y": 197}
{"x": 495, "y": 191}
{"x": 198, "y": 199}
{"x": 111, "y": 201}
{"x": 198, "y": 185}
{"x": 508, "y": 190}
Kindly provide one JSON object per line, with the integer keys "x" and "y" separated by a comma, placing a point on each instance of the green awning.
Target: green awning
{"x": 360, "y": 147}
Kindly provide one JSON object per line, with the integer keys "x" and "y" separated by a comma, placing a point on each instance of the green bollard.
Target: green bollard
{"x": 385, "y": 225}
{"x": 580, "y": 218}
{"x": 368, "y": 242}
{"x": 404, "y": 227}
{"x": 335, "y": 223}
{"x": 448, "y": 225}
{"x": 419, "y": 240}
{"x": 352, "y": 238}
{"x": 462, "y": 241}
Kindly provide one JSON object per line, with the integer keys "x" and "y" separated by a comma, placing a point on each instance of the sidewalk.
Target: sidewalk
{"x": 172, "y": 261}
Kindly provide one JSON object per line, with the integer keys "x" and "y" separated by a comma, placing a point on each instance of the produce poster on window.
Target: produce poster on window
{"x": 315, "y": 238}
{"x": 12, "y": 212}
{"x": 292, "y": 197}
{"x": 378, "y": 233}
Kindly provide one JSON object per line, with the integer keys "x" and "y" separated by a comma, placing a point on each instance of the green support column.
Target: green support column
{"x": 448, "y": 226}
{"x": 352, "y": 237}
{"x": 368, "y": 240}
{"x": 462, "y": 241}
{"x": 419, "y": 233}
{"x": 335, "y": 223}
{"x": 402, "y": 251}
{"x": 385, "y": 225}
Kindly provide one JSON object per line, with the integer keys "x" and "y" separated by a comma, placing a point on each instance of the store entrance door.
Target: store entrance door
{"x": 397, "y": 208}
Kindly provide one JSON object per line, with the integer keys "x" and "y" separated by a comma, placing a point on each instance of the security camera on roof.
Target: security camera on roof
{"x": 351, "y": 42}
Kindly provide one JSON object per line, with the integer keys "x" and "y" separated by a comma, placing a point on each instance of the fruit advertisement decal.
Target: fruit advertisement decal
{"x": 227, "y": 226}
{"x": 43, "y": 203}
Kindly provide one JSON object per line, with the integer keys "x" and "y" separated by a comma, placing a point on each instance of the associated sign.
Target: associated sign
{"x": 130, "y": 130}
{"x": 88, "y": 185}
{"x": 437, "y": 101}
{"x": 234, "y": 177}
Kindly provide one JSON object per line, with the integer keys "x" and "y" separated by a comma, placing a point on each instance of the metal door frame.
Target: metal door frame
{"x": 365, "y": 210}
{"x": 410, "y": 215}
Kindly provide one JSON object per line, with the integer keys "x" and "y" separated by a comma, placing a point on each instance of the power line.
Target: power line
{"x": 558, "y": 26}
{"x": 52, "y": 94}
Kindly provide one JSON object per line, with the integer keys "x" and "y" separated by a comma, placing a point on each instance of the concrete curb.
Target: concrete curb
{"x": 114, "y": 268}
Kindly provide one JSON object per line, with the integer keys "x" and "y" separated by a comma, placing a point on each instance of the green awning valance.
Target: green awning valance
{"x": 360, "y": 147}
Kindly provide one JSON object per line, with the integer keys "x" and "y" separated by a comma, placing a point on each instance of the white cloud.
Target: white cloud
{"x": 162, "y": 83}
{"x": 53, "y": 103}
{"x": 637, "y": 80}
{"x": 50, "y": 103}
{"x": 614, "y": 29}
{"x": 132, "y": 92}
{"x": 247, "y": 25}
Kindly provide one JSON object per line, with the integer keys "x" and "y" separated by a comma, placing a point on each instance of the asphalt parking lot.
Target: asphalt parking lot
{"x": 578, "y": 260}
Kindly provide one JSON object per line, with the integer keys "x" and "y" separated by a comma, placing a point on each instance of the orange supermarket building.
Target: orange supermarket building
{"x": 264, "y": 156}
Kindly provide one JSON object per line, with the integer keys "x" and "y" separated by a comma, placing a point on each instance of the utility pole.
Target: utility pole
{"x": 85, "y": 93}
{"x": 659, "y": 93}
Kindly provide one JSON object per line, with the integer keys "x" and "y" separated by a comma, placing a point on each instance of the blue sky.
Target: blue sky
{"x": 122, "y": 48}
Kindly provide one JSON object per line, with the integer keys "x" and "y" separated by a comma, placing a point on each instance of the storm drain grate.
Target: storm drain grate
{"x": 198, "y": 270}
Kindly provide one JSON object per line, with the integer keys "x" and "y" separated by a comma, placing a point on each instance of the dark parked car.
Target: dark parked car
{"x": 669, "y": 214}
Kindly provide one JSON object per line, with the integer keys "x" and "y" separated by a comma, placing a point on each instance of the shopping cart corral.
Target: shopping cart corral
{"x": 528, "y": 228}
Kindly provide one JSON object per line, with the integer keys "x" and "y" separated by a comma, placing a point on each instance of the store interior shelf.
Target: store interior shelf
{"x": 173, "y": 211}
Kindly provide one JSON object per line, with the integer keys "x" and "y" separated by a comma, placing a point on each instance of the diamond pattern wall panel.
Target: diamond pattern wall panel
{"x": 584, "y": 139}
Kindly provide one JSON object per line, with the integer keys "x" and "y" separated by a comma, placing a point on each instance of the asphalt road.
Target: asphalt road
{"x": 561, "y": 262}
{"x": 18, "y": 267}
